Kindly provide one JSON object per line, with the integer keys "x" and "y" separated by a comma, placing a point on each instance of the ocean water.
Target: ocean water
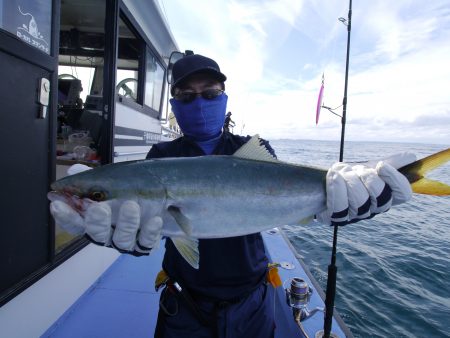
{"x": 393, "y": 276}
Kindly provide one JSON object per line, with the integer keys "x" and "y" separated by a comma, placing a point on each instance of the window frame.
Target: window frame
{"x": 141, "y": 58}
{"x": 161, "y": 100}
{"x": 139, "y": 105}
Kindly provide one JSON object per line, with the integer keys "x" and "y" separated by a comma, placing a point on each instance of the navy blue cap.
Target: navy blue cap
{"x": 195, "y": 63}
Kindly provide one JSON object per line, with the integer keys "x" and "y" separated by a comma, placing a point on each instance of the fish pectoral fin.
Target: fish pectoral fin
{"x": 254, "y": 150}
{"x": 181, "y": 219}
{"x": 188, "y": 249}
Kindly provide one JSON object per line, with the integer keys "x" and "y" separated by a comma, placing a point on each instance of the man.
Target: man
{"x": 228, "y": 122}
{"x": 229, "y": 288}
{"x": 227, "y": 296}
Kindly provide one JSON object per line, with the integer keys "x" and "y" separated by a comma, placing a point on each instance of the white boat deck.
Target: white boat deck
{"x": 124, "y": 303}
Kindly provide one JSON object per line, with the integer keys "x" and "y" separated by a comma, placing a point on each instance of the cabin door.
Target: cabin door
{"x": 28, "y": 66}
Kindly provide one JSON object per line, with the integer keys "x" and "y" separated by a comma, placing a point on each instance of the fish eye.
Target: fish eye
{"x": 97, "y": 196}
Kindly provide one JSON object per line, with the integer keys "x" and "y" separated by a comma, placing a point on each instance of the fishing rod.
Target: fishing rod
{"x": 332, "y": 268}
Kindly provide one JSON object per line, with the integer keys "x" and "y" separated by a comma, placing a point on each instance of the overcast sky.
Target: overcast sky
{"x": 274, "y": 53}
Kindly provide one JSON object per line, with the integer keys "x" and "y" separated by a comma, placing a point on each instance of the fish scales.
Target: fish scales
{"x": 223, "y": 196}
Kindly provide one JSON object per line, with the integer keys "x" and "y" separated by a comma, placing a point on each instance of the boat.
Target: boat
{"x": 84, "y": 81}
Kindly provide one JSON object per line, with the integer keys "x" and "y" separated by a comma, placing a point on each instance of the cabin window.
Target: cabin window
{"x": 128, "y": 63}
{"x": 84, "y": 74}
{"x": 154, "y": 82}
{"x": 29, "y": 20}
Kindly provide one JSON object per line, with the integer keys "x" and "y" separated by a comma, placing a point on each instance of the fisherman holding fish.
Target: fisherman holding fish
{"x": 226, "y": 293}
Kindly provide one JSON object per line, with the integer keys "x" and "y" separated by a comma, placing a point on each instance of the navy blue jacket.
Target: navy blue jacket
{"x": 229, "y": 267}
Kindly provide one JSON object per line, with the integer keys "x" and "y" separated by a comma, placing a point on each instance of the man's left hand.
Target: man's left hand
{"x": 356, "y": 192}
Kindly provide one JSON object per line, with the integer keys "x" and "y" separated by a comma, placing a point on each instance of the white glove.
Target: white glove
{"x": 358, "y": 192}
{"x": 128, "y": 235}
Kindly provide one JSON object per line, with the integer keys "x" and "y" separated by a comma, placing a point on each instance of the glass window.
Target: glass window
{"x": 127, "y": 83}
{"x": 84, "y": 74}
{"x": 130, "y": 54}
{"x": 154, "y": 81}
{"x": 80, "y": 92}
{"x": 29, "y": 20}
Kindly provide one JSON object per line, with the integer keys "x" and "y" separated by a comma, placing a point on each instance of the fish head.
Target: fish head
{"x": 112, "y": 183}
{"x": 82, "y": 189}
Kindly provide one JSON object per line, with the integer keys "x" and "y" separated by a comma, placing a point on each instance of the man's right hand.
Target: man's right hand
{"x": 127, "y": 235}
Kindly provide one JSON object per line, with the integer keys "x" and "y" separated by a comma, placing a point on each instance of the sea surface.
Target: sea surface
{"x": 393, "y": 276}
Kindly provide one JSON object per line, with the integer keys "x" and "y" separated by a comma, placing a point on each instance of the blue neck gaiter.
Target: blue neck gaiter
{"x": 201, "y": 119}
{"x": 208, "y": 146}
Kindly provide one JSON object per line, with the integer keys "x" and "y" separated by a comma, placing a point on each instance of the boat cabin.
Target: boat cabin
{"x": 83, "y": 82}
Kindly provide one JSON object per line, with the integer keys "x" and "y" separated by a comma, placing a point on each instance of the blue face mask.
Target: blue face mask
{"x": 201, "y": 119}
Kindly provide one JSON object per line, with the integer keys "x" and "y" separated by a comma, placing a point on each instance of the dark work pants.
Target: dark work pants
{"x": 250, "y": 318}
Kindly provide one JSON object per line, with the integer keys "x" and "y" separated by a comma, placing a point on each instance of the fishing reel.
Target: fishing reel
{"x": 298, "y": 296}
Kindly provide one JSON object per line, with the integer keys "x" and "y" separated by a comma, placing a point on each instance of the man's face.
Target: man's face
{"x": 199, "y": 104}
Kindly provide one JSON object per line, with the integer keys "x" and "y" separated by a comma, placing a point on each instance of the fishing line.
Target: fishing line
{"x": 332, "y": 56}
{"x": 333, "y": 50}
{"x": 164, "y": 10}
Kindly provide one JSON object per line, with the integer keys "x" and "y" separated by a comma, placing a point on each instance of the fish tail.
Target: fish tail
{"x": 415, "y": 173}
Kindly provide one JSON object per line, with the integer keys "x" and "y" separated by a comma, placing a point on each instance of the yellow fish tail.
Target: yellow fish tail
{"x": 415, "y": 173}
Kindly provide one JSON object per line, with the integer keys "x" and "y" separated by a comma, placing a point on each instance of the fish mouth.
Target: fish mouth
{"x": 78, "y": 204}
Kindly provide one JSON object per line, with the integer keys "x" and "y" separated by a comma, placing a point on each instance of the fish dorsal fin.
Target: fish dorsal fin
{"x": 188, "y": 248}
{"x": 254, "y": 150}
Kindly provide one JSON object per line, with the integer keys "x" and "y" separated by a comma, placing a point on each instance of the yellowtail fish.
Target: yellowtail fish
{"x": 219, "y": 196}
